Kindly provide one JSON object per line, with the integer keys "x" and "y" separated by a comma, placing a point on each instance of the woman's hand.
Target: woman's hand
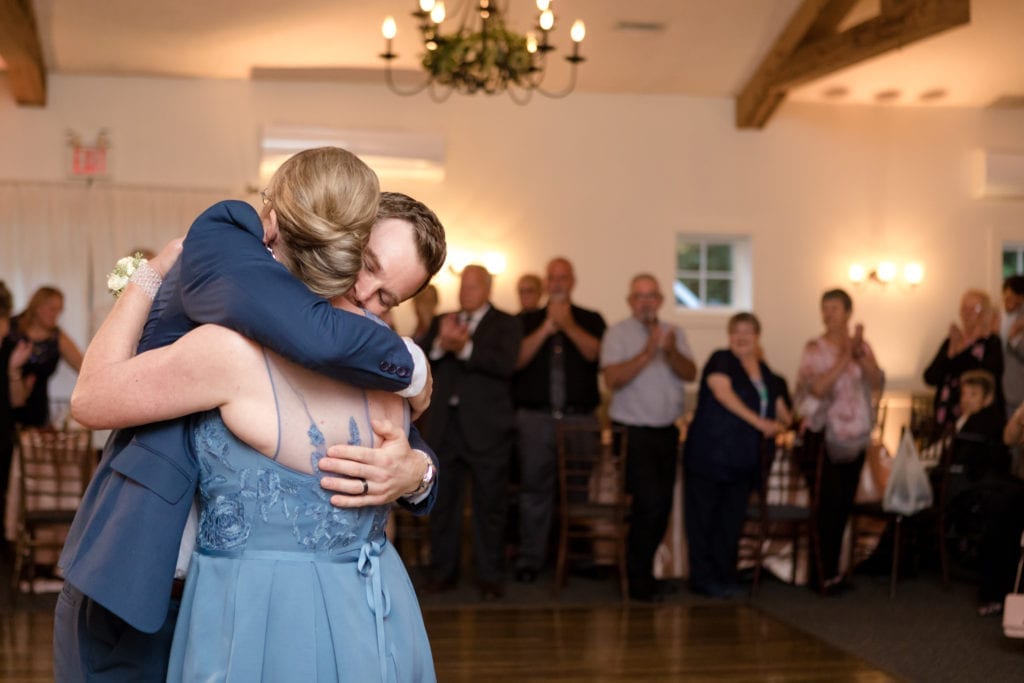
{"x": 167, "y": 257}
{"x": 390, "y": 470}
{"x": 957, "y": 340}
{"x": 769, "y": 428}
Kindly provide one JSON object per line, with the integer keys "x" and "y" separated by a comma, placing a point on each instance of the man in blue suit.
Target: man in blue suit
{"x": 115, "y": 617}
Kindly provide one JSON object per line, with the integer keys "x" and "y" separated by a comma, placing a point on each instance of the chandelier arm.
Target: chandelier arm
{"x": 521, "y": 96}
{"x": 436, "y": 94}
{"x": 566, "y": 91}
{"x": 390, "y": 80}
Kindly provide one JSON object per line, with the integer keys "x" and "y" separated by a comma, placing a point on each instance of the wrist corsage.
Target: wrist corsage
{"x": 135, "y": 269}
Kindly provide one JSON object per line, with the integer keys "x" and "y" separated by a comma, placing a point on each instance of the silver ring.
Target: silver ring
{"x": 366, "y": 488}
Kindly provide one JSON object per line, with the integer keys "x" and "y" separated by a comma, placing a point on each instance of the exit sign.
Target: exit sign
{"x": 88, "y": 162}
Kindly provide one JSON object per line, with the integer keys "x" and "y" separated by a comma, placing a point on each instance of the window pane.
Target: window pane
{"x": 720, "y": 257}
{"x": 719, "y": 292}
{"x": 1009, "y": 262}
{"x": 687, "y": 292}
{"x": 689, "y": 256}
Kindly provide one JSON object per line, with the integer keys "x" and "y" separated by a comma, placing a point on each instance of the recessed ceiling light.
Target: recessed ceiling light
{"x": 1014, "y": 101}
{"x": 640, "y": 26}
{"x": 933, "y": 95}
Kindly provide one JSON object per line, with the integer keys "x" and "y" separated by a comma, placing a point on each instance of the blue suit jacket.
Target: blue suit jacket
{"x": 123, "y": 545}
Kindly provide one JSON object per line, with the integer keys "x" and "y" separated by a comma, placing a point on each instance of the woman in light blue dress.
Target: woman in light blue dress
{"x": 282, "y": 585}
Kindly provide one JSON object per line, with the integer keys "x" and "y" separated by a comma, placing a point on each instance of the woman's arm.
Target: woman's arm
{"x": 869, "y": 366}
{"x": 19, "y": 385}
{"x": 115, "y": 388}
{"x": 721, "y": 388}
{"x": 821, "y": 385}
{"x": 69, "y": 351}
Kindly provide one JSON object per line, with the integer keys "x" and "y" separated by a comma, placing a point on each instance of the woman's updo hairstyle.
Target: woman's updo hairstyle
{"x": 326, "y": 203}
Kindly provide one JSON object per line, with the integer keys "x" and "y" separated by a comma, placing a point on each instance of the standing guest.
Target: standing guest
{"x": 556, "y": 383}
{"x": 470, "y": 425}
{"x": 529, "y": 288}
{"x": 425, "y": 306}
{"x": 15, "y": 387}
{"x": 37, "y": 325}
{"x": 231, "y": 272}
{"x": 973, "y": 345}
{"x": 837, "y": 377}
{"x": 1012, "y": 335}
{"x": 645, "y": 362}
{"x": 738, "y": 406}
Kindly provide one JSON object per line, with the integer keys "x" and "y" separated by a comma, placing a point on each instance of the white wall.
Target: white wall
{"x": 608, "y": 181}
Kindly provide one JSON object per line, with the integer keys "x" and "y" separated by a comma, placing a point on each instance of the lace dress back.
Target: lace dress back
{"x": 283, "y": 586}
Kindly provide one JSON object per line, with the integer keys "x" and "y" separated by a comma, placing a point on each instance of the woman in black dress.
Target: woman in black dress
{"x": 37, "y": 326}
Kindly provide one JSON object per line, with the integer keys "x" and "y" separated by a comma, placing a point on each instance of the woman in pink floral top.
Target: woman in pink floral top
{"x": 838, "y": 375}
{"x": 973, "y": 345}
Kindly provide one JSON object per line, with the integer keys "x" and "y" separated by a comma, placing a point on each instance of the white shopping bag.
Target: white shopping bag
{"x": 908, "y": 490}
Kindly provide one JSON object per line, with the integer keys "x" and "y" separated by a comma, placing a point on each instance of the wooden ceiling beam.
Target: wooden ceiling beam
{"x": 759, "y": 98}
{"x": 21, "y": 49}
{"x": 829, "y": 18}
{"x": 820, "y": 51}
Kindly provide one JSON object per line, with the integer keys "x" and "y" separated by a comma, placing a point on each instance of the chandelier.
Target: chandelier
{"x": 482, "y": 55}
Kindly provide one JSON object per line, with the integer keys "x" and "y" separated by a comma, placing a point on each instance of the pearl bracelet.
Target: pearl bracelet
{"x": 147, "y": 279}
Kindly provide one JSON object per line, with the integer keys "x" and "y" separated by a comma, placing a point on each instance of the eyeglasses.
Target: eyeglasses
{"x": 265, "y": 197}
{"x": 645, "y": 296}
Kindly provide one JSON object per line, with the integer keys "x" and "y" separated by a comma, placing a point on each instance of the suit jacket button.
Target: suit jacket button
{"x": 384, "y": 366}
{"x": 403, "y": 372}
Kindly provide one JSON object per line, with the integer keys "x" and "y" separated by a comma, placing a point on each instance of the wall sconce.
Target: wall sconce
{"x": 493, "y": 261}
{"x": 886, "y": 272}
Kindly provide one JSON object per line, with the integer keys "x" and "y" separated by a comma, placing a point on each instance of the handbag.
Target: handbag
{"x": 908, "y": 490}
{"x": 1013, "y": 606}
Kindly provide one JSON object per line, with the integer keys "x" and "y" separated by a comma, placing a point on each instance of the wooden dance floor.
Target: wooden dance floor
{"x": 669, "y": 642}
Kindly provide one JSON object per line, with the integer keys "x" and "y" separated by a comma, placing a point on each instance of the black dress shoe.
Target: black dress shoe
{"x": 491, "y": 590}
{"x": 526, "y": 575}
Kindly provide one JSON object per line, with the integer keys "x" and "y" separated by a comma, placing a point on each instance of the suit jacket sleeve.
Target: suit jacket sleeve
{"x": 498, "y": 351}
{"x": 229, "y": 278}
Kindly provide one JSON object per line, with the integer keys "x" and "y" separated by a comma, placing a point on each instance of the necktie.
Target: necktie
{"x": 557, "y": 374}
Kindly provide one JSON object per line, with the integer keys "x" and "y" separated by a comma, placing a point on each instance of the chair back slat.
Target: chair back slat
{"x": 55, "y": 468}
{"x": 593, "y": 504}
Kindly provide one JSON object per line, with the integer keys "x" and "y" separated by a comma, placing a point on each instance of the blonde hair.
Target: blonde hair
{"x": 326, "y": 201}
{"x": 40, "y": 297}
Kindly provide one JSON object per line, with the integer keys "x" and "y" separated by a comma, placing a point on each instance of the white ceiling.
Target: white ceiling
{"x": 707, "y": 47}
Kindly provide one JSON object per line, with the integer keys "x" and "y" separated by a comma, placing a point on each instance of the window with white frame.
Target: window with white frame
{"x": 1013, "y": 259}
{"x": 713, "y": 272}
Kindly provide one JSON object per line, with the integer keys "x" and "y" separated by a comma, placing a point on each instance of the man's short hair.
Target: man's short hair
{"x": 427, "y": 229}
{"x": 1014, "y": 283}
{"x": 983, "y": 379}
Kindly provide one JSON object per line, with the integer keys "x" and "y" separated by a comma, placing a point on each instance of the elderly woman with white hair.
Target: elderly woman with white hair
{"x": 972, "y": 345}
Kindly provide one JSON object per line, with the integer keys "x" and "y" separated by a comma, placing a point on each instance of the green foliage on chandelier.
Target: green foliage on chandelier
{"x": 487, "y": 60}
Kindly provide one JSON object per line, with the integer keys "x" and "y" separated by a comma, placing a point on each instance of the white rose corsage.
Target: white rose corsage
{"x": 122, "y": 273}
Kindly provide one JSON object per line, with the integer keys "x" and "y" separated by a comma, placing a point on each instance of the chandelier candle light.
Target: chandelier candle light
{"x": 482, "y": 54}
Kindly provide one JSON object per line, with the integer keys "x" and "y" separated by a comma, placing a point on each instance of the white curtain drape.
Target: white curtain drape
{"x": 70, "y": 234}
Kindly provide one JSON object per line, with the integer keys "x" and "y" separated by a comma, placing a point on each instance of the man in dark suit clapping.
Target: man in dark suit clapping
{"x": 470, "y": 423}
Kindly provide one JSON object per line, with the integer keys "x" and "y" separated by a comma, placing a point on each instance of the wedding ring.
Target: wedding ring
{"x": 366, "y": 488}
